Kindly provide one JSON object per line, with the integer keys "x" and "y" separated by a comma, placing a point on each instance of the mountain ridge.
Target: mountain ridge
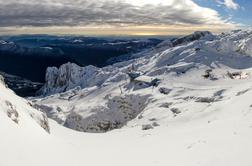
{"x": 190, "y": 102}
{"x": 201, "y": 53}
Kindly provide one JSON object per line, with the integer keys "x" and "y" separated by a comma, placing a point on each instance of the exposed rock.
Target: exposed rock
{"x": 2, "y": 80}
{"x": 206, "y": 99}
{"x": 12, "y": 112}
{"x": 119, "y": 110}
{"x": 175, "y": 111}
{"x": 242, "y": 92}
{"x": 155, "y": 124}
{"x": 152, "y": 119}
{"x": 44, "y": 123}
{"x": 164, "y": 90}
{"x": 195, "y": 36}
{"x": 166, "y": 105}
{"x": 238, "y": 75}
{"x": 55, "y": 114}
{"x": 70, "y": 75}
{"x": 20, "y": 110}
{"x": 147, "y": 127}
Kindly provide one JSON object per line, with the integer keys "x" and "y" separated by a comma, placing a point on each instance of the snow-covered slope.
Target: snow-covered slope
{"x": 20, "y": 111}
{"x": 191, "y": 132}
{"x": 198, "y": 111}
{"x": 94, "y": 99}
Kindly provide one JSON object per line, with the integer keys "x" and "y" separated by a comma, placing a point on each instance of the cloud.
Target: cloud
{"x": 230, "y": 4}
{"x": 46, "y": 13}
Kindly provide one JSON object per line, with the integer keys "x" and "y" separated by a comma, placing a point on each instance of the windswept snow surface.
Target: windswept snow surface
{"x": 200, "y": 113}
{"x": 217, "y": 133}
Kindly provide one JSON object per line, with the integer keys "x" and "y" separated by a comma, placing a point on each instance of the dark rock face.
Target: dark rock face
{"x": 195, "y": 36}
{"x": 164, "y": 90}
{"x": 147, "y": 127}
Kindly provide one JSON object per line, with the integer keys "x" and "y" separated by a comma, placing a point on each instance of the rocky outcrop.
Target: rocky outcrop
{"x": 195, "y": 36}
{"x": 2, "y": 80}
{"x": 70, "y": 75}
{"x": 117, "y": 111}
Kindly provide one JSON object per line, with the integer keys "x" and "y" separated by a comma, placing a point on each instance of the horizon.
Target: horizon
{"x": 119, "y": 35}
{"x": 109, "y": 33}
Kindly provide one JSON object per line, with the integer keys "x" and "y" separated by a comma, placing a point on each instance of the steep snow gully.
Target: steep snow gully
{"x": 184, "y": 102}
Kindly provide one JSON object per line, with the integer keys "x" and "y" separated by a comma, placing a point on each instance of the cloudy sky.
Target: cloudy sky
{"x": 122, "y": 17}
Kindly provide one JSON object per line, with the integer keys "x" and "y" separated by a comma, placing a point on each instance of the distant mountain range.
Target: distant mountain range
{"x": 22, "y": 87}
{"x": 29, "y": 56}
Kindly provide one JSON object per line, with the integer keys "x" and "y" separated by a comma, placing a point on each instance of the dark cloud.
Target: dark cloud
{"x": 96, "y": 12}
